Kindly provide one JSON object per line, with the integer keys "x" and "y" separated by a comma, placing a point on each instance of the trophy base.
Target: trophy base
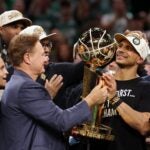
{"x": 96, "y": 132}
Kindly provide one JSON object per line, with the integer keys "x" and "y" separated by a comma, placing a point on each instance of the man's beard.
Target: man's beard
{"x": 122, "y": 66}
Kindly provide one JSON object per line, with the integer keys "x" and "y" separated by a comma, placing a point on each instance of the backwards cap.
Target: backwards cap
{"x": 36, "y": 30}
{"x": 12, "y": 16}
{"x": 138, "y": 42}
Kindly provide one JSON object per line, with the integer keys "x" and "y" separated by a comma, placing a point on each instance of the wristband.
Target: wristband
{"x": 116, "y": 104}
{"x": 116, "y": 101}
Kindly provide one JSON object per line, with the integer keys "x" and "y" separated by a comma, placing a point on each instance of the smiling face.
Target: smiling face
{"x": 27, "y": 54}
{"x": 126, "y": 55}
{"x": 47, "y": 46}
{"x": 3, "y": 73}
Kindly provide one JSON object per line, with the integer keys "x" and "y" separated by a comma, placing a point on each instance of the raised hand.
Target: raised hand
{"x": 54, "y": 84}
{"x": 110, "y": 82}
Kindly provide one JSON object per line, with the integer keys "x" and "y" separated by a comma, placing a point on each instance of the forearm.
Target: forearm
{"x": 137, "y": 120}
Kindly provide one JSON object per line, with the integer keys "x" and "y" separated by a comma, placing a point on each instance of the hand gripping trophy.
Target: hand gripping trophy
{"x": 97, "y": 49}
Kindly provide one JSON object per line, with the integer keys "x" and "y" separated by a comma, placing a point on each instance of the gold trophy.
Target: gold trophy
{"x": 97, "y": 49}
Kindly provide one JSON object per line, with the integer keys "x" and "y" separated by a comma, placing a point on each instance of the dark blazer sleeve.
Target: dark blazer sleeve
{"x": 35, "y": 101}
{"x": 72, "y": 73}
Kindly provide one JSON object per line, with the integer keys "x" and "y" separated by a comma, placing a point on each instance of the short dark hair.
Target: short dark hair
{"x": 19, "y": 45}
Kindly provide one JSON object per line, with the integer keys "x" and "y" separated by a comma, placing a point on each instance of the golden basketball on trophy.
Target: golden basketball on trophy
{"x": 97, "y": 49}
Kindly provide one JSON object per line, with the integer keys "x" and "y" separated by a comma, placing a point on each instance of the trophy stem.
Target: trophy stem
{"x": 93, "y": 128}
{"x": 94, "y": 115}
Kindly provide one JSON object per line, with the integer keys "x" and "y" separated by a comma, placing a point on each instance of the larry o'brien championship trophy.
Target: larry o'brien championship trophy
{"x": 97, "y": 49}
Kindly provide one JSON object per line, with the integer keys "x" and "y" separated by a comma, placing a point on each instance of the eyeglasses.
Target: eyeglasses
{"x": 47, "y": 44}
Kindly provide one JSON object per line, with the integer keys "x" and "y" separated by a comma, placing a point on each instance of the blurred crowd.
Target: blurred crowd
{"x": 70, "y": 18}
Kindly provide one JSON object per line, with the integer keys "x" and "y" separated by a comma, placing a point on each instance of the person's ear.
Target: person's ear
{"x": 140, "y": 60}
{"x": 26, "y": 58}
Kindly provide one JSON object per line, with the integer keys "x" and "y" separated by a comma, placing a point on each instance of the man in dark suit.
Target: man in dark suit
{"x": 30, "y": 119}
{"x": 72, "y": 72}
